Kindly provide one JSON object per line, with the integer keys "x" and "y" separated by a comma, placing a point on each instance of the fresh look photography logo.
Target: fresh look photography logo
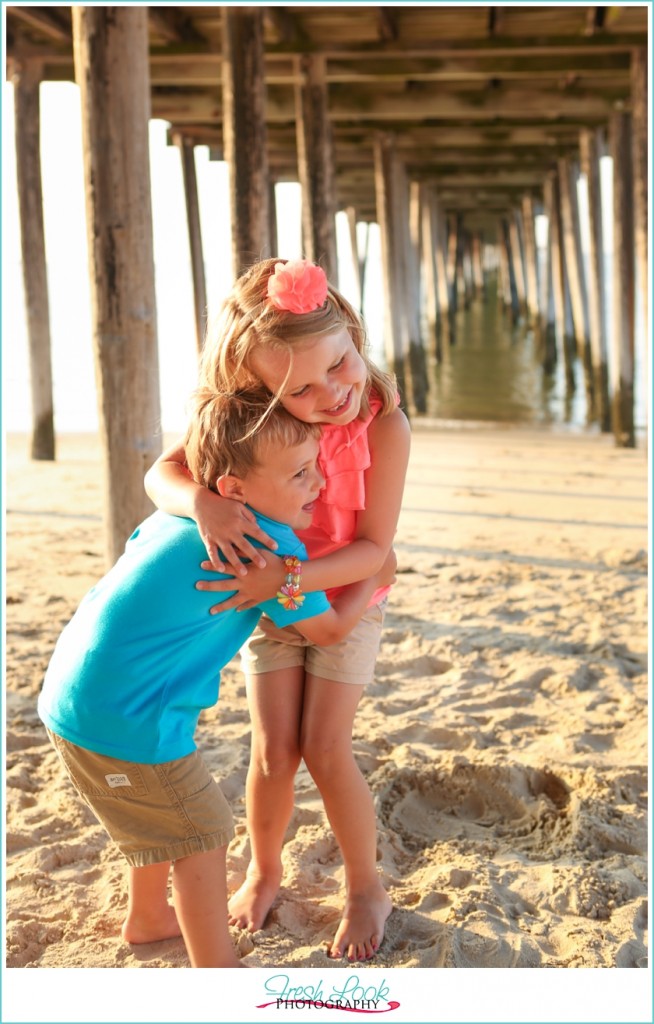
{"x": 353, "y": 996}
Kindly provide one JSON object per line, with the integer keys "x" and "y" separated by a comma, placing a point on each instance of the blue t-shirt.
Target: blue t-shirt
{"x": 141, "y": 657}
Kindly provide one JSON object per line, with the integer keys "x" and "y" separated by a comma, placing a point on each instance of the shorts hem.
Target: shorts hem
{"x": 253, "y": 670}
{"x": 175, "y": 851}
{"x": 362, "y": 680}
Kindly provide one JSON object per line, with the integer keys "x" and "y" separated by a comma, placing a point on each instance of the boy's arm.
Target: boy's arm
{"x": 347, "y": 608}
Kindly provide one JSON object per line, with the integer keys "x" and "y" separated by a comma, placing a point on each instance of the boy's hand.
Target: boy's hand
{"x": 251, "y": 590}
{"x": 223, "y": 525}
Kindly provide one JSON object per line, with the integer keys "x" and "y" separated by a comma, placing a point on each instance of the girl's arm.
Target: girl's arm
{"x": 389, "y": 441}
{"x": 346, "y": 609}
{"x": 222, "y": 523}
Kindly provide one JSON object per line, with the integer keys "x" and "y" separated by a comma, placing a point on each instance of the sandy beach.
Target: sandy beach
{"x": 504, "y": 736}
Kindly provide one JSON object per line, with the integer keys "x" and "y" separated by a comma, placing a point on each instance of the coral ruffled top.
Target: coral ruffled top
{"x": 344, "y": 458}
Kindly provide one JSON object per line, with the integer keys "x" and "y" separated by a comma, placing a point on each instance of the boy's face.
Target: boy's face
{"x": 285, "y": 483}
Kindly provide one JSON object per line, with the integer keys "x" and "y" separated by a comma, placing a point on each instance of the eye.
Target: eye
{"x": 338, "y": 365}
{"x": 299, "y": 394}
{"x": 302, "y": 473}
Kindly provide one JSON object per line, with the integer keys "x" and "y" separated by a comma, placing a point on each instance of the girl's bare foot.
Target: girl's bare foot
{"x": 248, "y": 908}
{"x": 161, "y": 925}
{"x": 361, "y": 930}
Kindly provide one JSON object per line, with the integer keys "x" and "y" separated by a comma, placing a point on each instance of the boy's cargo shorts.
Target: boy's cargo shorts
{"x": 153, "y": 812}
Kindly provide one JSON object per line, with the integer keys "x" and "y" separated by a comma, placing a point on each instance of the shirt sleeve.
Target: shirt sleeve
{"x": 315, "y": 603}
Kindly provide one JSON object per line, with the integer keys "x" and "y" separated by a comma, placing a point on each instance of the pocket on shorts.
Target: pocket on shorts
{"x": 95, "y": 775}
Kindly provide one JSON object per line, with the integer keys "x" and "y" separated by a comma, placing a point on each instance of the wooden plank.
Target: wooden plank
{"x": 112, "y": 72}
{"x": 316, "y": 168}
{"x": 590, "y": 168}
{"x": 244, "y": 127}
{"x": 622, "y": 341}
{"x": 189, "y": 177}
{"x": 26, "y": 80}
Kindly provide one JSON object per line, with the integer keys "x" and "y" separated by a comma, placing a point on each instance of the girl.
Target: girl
{"x": 285, "y": 327}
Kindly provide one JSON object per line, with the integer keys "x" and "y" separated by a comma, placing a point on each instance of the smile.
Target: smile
{"x": 338, "y": 409}
{"x": 309, "y": 506}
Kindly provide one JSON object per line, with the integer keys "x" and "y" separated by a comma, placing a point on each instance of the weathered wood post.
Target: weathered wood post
{"x": 453, "y": 262}
{"x": 531, "y": 260}
{"x": 244, "y": 134}
{"x": 429, "y": 235}
{"x": 478, "y": 266}
{"x": 351, "y": 214}
{"x": 622, "y": 348}
{"x": 557, "y": 259}
{"x": 189, "y": 177}
{"x": 26, "y": 79}
{"x": 573, "y": 256}
{"x": 111, "y": 68}
{"x": 316, "y": 165}
{"x": 272, "y": 219}
{"x": 517, "y": 260}
{"x": 589, "y": 159}
{"x": 414, "y": 292}
{"x": 510, "y": 269}
{"x": 387, "y": 187}
{"x": 446, "y": 308}
{"x": 639, "y": 127}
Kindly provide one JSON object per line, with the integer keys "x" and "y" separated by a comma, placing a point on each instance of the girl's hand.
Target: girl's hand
{"x": 224, "y": 526}
{"x": 250, "y": 590}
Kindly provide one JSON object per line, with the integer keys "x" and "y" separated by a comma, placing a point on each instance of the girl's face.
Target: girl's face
{"x": 326, "y": 381}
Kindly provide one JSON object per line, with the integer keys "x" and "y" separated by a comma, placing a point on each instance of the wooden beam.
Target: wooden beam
{"x": 244, "y": 128}
{"x": 316, "y": 167}
{"x": 111, "y": 46}
{"x": 640, "y": 136}
{"x": 573, "y": 254}
{"x": 173, "y": 25}
{"x": 387, "y": 185}
{"x": 590, "y": 168}
{"x": 531, "y": 258}
{"x": 51, "y": 22}
{"x": 26, "y": 80}
{"x": 622, "y": 347}
{"x": 386, "y": 24}
{"x": 283, "y": 25}
{"x": 189, "y": 177}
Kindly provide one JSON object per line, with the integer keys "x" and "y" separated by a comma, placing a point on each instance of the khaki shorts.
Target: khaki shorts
{"x": 153, "y": 812}
{"x": 350, "y": 661}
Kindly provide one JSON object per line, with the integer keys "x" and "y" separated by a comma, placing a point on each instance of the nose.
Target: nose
{"x": 318, "y": 481}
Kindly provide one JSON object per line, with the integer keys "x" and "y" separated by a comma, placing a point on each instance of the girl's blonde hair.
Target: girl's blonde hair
{"x": 231, "y": 433}
{"x": 247, "y": 322}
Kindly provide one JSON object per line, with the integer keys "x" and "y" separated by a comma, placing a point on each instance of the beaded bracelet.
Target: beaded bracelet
{"x": 290, "y": 596}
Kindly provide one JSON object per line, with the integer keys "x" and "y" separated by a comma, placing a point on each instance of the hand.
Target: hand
{"x": 386, "y": 575}
{"x": 223, "y": 524}
{"x": 251, "y": 590}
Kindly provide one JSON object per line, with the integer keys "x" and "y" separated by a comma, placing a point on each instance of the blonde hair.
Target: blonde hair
{"x": 230, "y": 433}
{"x": 246, "y": 322}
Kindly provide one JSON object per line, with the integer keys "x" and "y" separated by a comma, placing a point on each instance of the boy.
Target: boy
{"x": 140, "y": 659}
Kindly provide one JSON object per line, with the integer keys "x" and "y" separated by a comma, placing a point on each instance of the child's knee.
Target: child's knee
{"x": 275, "y": 760}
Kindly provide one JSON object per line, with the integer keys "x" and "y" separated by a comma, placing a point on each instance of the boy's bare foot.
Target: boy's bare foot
{"x": 249, "y": 906}
{"x": 361, "y": 930}
{"x": 162, "y": 925}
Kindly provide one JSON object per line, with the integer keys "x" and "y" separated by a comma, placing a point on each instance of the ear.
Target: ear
{"x": 230, "y": 486}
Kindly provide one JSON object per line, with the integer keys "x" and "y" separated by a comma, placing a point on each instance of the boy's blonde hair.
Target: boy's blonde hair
{"x": 230, "y": 433}
{"x": 247, "y": 322}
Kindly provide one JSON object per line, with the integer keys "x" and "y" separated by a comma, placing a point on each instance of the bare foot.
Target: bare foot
{"x": 361, "y": 930}
{"x": 249, "y": 906}
{"x": 163, "y": 925}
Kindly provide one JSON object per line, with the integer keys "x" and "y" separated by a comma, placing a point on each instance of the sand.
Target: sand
{"x": 504, "y": 736}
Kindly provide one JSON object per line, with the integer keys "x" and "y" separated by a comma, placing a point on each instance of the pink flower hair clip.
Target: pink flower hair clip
{"x": 297, "y": 287}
